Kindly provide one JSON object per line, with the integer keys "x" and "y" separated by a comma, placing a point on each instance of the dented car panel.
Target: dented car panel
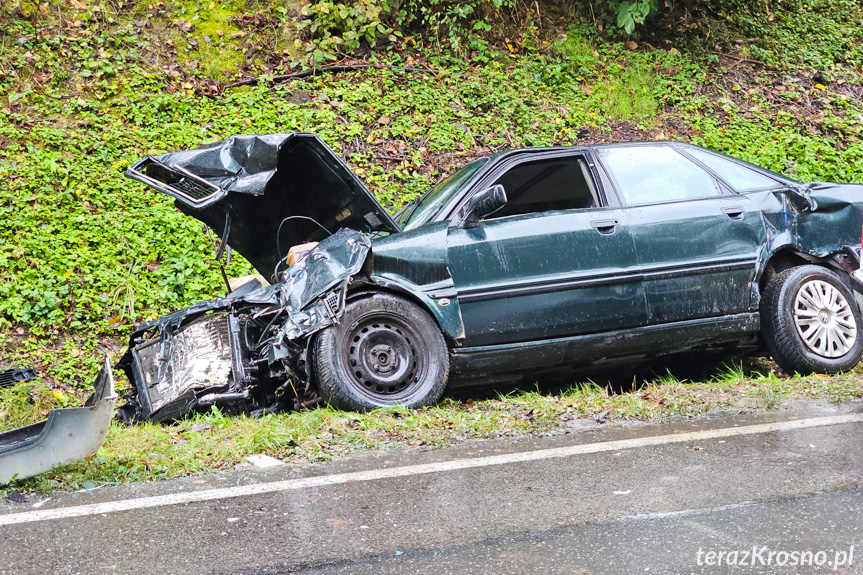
{"x": 416, "y": 262}
{"x": 66, "y": 436}
{"x": 328, "y": 264}
{"x": 833, "y": 222}
{"x": 817, "y": 223}
{"x": 580, "y": 283}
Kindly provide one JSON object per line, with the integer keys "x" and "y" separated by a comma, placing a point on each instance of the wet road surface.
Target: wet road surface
{"x": 824, "y": 525}
{"x": 645, "y": 508}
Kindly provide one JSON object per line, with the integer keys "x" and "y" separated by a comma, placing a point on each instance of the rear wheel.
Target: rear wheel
{"x": 810, "y": 321}
{"x": 384, "y": 351}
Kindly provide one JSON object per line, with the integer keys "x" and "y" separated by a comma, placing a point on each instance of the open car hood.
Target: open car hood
{"x": 246, "y": 186}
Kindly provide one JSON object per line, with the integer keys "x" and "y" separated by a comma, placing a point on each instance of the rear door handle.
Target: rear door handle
{"x": 733, "y": 212}
{"x": 605, "y": 226}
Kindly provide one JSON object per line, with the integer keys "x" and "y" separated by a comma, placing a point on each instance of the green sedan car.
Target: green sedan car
{"x": 526, "y": 263}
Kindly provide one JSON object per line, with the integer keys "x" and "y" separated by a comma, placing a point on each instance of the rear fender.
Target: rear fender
{"x": 823, "y": 230}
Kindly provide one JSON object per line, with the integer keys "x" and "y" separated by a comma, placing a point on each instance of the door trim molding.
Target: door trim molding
{"x": 508, "y": 290}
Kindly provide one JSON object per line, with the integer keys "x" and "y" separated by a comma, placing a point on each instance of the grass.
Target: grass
{"x": 624, "y": 91}
{"x": 833, "y": 42}
{"x": 209, "y": 442}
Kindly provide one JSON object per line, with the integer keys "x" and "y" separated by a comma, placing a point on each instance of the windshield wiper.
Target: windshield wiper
{"x": 410, "y": 207}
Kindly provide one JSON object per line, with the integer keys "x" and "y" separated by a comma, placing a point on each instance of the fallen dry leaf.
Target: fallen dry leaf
{"x": 338, "y": 523}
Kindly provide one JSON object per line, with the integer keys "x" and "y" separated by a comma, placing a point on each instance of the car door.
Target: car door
{"x": 697, "y": 243}
{"x": 554, "y": 262}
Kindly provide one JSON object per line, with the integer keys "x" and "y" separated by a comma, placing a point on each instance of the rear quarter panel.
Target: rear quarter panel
{"x": 836, "y": 222}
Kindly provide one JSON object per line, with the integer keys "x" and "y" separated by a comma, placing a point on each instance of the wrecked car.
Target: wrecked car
{"x": 528, "y": 262}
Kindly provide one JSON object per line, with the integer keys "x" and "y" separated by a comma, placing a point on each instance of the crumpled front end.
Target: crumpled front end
{"x": 244, "y": 353}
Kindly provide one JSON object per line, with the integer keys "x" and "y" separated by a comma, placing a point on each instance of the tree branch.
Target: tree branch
{"x": 739, "y": 59}
{"x": 334, "y": 69}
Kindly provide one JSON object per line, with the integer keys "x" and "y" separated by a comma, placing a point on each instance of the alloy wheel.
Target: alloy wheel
{"x": 824, "y": 319}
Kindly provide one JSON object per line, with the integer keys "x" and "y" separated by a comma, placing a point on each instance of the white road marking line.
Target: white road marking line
{"x": 421, "y": 469}
{"x": 690, "y": 512}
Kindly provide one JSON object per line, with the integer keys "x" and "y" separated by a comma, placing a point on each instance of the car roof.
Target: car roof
{"x": 587, "y": 147}
{"x": 576, "y": 148}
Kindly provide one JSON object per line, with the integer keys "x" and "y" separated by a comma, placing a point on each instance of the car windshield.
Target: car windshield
{"x": 427, "y": 206}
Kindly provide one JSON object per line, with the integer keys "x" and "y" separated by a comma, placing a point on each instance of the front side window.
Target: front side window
{"x": 652, "y": 174}
{"x": 739, "y": 177}
{"x": 545, "y": 185}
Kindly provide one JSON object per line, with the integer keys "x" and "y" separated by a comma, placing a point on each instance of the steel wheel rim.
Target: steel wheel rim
{"x": 384, "y": 357}
{"x": 824, "y": 319}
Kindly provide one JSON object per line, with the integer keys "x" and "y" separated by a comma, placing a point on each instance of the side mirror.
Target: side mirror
{"x": 482, "y": 204}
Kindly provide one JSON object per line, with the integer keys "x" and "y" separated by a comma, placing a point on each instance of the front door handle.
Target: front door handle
{"x": 733, "y": 212}
{"x": 605, "y": 226}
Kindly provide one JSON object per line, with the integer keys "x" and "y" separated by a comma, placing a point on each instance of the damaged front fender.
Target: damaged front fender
{"x": 416, "y": 263}
{"x": 313, "y": 290}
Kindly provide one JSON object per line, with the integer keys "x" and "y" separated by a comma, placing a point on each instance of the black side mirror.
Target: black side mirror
{"x": 482, "y": 204}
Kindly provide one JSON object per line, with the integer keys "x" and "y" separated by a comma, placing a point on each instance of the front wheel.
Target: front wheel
{"x": 384, "y": 351}
{"x": 810, "y": 322}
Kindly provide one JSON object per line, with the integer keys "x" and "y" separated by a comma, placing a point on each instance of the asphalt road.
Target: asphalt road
{"x": 654, "y": 508}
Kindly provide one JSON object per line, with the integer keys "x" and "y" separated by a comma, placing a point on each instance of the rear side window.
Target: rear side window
{"x": 740, "y": 178}
{"x": 651, "y": 174}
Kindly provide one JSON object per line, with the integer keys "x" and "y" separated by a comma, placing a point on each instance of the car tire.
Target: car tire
{"x": 385, "y": 351}
{"x": 810, "y": 322}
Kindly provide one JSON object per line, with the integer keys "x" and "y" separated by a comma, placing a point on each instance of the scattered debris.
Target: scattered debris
{"x": 198, "y": 428}
{"x": 262, "y": 461}
{"x": 16, "y": 497}
{"x": 9, "y": 377}
{"x": 66, "y": 436}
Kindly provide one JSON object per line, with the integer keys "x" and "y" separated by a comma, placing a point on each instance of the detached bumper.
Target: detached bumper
{"x": 66, "y": 436}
